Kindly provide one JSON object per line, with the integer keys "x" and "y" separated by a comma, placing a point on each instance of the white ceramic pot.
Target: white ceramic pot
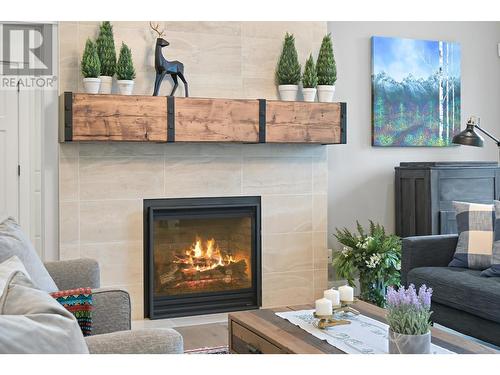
{"x": 106, "y": 84}
{"x": 409, "y": 344}
{"x": 91, "y": 85}
{"x": 325, "y": 93}
{"x": 288, "y": 93}
{"x": 309, "y": 94}
{"x": 125, "y": 86}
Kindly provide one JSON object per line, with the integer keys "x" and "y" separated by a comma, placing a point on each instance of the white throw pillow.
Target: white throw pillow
{"x": 31, "y": 321}
{"x": 14, "y": 242}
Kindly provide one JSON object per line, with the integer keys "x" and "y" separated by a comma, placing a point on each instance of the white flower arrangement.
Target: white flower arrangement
{"x": 372, "y": 256}
{"x": 373, "y": 261}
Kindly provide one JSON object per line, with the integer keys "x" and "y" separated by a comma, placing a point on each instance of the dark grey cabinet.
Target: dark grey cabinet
{"x": 425, "y": 191}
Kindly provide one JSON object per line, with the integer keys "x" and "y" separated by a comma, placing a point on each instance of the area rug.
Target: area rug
{"x": 209, "y": 350}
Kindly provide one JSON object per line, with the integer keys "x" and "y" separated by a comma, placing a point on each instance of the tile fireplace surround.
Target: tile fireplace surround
{"x": 102, "y": 187}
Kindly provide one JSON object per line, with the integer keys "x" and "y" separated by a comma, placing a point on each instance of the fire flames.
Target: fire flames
{"x": 201, "y": 257}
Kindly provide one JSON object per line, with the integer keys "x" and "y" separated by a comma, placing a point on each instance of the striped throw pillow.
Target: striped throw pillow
{"x": 475, "y": 224}
{"x": 494, "y": 269}
{"x": 79, "y": 303}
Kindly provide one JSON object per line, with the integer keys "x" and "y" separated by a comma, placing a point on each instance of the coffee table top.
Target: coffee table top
{"x": 284, "y": 334}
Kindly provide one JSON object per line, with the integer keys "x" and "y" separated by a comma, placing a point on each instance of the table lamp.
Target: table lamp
{"x": 469, "y": 137}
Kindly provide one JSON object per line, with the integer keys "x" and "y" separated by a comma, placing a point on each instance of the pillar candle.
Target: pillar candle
{"x": 333, "y": 295}
{"x": 323, "y": 306}
{"x": 346, "y": 293}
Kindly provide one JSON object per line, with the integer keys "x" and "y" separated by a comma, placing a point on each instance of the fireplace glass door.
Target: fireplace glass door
{"x": 202, "y": 255}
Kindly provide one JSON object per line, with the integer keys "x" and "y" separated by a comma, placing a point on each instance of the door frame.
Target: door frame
{"x": 40, "y": 105}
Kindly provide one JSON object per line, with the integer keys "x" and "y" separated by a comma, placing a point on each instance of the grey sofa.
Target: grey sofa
{"x": 111, "y": 319}
{"x": 462, "y": 299}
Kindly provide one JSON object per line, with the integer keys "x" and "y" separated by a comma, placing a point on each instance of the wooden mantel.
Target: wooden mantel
{"x": 88, "y": 117}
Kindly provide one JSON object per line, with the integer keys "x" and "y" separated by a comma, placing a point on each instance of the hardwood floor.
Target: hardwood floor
{"x": 204, "y": 335}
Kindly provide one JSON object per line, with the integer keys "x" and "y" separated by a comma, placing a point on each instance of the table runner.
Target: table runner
{"x": 363, "y": 336}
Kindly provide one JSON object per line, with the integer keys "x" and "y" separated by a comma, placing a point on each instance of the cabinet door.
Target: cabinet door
{"x": 475, "y": 185}
{"x": 412, "y": 203}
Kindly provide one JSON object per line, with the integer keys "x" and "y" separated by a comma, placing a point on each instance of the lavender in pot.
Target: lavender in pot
{"x": 408, "y": 315}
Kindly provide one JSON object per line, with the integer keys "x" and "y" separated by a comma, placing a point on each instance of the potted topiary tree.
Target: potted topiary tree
{"x": 91, "y": 68}
{"x": 125, "y": 72}
{"x": 327, "y": 70}
{"x": 309, "y": 80}
{"x": 288, "y": 70}
{"x": 107, "y": 56}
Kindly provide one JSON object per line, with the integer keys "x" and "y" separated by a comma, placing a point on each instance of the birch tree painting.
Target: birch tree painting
{"x": 415, "y": 92}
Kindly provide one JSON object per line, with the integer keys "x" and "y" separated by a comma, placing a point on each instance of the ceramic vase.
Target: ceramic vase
{"x": 106, "y": 84}
{"x": 325, "y": 93}
{"x": 309, "y": 94}
{"x": 125, "y": 86}
{"x": 288, "y": 93}
{"x": 409, "y": 344}
{"x": 91, "y": 85}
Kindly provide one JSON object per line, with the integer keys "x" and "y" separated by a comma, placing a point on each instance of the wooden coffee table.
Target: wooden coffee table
{"x": 263, "y": 332}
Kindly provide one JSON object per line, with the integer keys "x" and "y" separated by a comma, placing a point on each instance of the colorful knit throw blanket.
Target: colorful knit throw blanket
{"x": 79, "y": 303}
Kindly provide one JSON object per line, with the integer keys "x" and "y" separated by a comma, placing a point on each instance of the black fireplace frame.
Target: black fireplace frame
{"x": 201, "y": 303}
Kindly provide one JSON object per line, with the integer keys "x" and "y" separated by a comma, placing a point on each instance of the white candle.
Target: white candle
{"x": 333, "y": 295}
{"x": 323, "y": 306}
{"x": 346, "y": 293}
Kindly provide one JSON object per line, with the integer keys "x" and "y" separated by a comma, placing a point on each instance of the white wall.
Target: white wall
{"x": 361, "y": 182}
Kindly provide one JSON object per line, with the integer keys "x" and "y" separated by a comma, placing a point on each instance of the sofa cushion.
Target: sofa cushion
{"x": 475, "y": 223}
{"x": 13, "y": 242}
{"x": 31, "y": 321}
{"x": 462, "y": 289}
{"x": 79, "y": 303}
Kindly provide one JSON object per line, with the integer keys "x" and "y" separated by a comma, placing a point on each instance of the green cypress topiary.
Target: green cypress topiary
{"x": 91, "y": 66}
{"x": 310, "y": 78}
{"x": 288, "y": 70}
{"x": 106, "y": 49}
{"x": 125, "y": 66}
{"x": 325, "y": 66}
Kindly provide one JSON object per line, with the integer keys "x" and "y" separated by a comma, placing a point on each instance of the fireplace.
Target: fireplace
{"x": 201, "y": 255}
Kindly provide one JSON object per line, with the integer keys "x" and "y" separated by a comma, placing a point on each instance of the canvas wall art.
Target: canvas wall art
{"x": 415, "y": 92}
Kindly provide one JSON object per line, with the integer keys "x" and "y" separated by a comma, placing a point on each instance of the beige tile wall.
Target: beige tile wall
{"x": 221, "y": 59}
{"x": 102, "y": 185}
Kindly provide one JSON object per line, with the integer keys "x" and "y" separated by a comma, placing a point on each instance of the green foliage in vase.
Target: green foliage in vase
{"x": 106, "y": 49}
{"x": 309, "y": 78}
{"x": 288, "y": 69}
{"x": 373, "y": 256}
{"x": 91, "y": 66}
{"x": 125, "y": 66}
{"x": 326, "y": 67}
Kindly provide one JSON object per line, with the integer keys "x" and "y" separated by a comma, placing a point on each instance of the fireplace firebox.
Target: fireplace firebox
{"x": 201, "y": 255}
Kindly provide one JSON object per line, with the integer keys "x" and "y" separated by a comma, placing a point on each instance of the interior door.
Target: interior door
{"x": 9, "y": 154}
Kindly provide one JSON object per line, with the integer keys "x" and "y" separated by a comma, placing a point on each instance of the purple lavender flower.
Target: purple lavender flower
{"x": 408, "y": 311}
{"x": 403, "y": 296}
{"x": 411, "y": 294}
{"x": 409, "y": 297}
{"x": 392, "y": 296}
{"x": 424, "y": 295}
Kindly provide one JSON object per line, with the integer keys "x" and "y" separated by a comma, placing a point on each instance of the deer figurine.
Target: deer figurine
{"x": 162, "y": 66}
